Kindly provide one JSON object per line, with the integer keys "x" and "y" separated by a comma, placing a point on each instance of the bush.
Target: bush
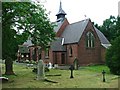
{"x": 113, "y": 57}
{"x": 47, "y": 69}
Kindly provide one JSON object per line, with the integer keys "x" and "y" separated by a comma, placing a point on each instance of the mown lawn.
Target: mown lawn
{"x": 85, "y": 77}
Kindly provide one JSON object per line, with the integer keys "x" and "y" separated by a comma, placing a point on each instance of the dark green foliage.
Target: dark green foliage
{"x": 28, "y": 18}
{"x": 113, "y": 53}
{"x": 47, "y": 69}
{"x": 117, "y": 27}
{"x": 111, "y": 29}
{"x": 108, "y": 28}
{"x": 34, "y": 70}
{"x": 113, "y": 57}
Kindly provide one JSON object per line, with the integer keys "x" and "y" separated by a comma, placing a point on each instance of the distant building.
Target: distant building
{"x": 80, "y": 40}
{"x": 26, "y": 51}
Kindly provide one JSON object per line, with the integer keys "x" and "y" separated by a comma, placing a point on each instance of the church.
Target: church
{"x": 80, "y": 41}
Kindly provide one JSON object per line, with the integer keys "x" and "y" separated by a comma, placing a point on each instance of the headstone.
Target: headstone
{"x": 50, "y": 66}
{"x": 75, "y": 64}
{"x": 55, "y": 66}
{"x": 9, "y": 66}
{"x": 103, "y": 72}
{"x": 40, "y": 70}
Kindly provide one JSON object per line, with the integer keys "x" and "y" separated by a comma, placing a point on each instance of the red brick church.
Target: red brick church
{"x": 81, "y": 40}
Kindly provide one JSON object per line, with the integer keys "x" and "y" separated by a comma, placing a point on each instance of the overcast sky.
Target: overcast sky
{"x": 96, "y": 10}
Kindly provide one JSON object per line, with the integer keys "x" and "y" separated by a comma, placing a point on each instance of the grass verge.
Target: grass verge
{"x": 85, "y": 77}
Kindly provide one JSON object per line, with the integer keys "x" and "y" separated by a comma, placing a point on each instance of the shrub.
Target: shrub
{"x": 113, "y": 57}
{"x": 47, "y": 69}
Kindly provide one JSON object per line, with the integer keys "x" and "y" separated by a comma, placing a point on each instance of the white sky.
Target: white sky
{"x": 96, "y": 10}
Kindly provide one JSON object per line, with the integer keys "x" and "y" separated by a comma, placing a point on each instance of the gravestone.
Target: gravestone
{"x": 40, "y": 70}
{"x": 50, "y": 66}
{"x": 9, "y": 66}
{"x": 103, "y": 72}
{"x": 75, "y": 64}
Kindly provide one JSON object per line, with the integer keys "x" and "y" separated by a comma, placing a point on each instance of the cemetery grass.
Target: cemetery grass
{"x": 85, "y": 77}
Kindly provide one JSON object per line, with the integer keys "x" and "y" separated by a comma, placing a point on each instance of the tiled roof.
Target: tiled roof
{"x": 58, "y": 25}
{"x": 102, "y": 38}
{"x": 73, "y": 32}
{"x": 57, "y": 45}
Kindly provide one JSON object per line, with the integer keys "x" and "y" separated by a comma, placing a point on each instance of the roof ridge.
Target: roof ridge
{"x": 79, "y": 21}
{"x": 73, "y": 32}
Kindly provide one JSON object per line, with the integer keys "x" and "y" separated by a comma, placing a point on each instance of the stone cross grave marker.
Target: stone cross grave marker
{"x": 71, "y": 69}
{"x": 40, "y": 70}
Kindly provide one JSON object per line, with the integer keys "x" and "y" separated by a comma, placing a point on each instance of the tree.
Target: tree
{"x": 117, "y": 27}
{"x": 113, "y": 57}
{"x": 108, "y": 28}
{"x": 9, "y": 34}
{"x": 28, "y": 17}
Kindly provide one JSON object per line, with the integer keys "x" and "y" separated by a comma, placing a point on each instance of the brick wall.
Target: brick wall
{"x": 89, "y": 55}
{"x": 70, "y": 59}
{"x": 84, "y": 55}
{"x": 103, "y": 52}
{"x": 50, "y": 57}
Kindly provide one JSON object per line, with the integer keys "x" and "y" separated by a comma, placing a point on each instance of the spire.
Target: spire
{"x": 60, "y": 6}
{"x": 61, "y": 13}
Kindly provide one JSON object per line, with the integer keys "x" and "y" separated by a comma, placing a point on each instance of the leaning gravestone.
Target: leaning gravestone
{"x": 9, "y": 66}
{"x": 75, "y": 64}
{"x": 40, "y": 70}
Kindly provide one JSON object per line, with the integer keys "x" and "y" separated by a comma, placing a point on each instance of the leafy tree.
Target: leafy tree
{"x": 111, "y": 29}
{"x": 113, "y": 57}
{"x": 9, "y": 38}
{"x": 96, "y": 25}
{"x": 108, "y": 28}
{"x": 29, "y": 18}
{"x": 117, "y": 27}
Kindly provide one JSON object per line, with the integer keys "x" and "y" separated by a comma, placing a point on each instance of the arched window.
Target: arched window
{"x": 90, "y": 41}
{"x": 70, "y": 51}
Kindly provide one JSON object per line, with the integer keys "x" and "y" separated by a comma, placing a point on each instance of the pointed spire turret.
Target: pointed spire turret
{"x": 61, "y": 13}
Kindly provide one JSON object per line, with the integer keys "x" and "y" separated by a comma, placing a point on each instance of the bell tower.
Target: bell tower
{"x": 61, "y": 13}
